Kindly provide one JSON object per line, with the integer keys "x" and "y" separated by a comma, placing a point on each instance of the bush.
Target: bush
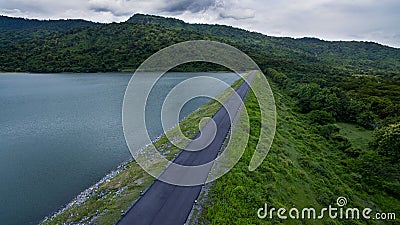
{"x": 321, "y": 117}
{"x": 387, "y": 141}
{"x": 352, "y": 152}
{"x": 328, "y": 130}
{"x": 366, "y": 120}
{"x": 342, "y": 142}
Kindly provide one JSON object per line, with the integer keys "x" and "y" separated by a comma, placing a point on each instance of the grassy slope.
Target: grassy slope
{"x": 357, "y": 135}
{"x": 105, "y": 204}
{"x": 302, "y": 169}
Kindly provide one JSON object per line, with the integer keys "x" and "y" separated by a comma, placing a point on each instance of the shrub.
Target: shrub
{"x": 328, "y": 130}
{"x": 321, "y": 117}
{"x": 342, "y": 142}
{"x": 387, "y": 141}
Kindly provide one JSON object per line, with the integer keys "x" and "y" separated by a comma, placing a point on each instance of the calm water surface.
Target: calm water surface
{"x": 60, "y": 133}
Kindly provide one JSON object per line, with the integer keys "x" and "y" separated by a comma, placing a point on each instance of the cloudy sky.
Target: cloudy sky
{"x": 370, "y": 20}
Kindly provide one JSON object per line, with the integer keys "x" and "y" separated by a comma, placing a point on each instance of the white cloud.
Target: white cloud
{"x": 374, "y": 20}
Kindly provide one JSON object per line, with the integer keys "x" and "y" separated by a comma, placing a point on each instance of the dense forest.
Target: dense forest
{"x": 79, "y": 46}
{"x": 327, "y": 85}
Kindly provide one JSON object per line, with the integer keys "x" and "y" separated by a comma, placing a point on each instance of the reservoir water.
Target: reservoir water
{"x": 60, "y": 133}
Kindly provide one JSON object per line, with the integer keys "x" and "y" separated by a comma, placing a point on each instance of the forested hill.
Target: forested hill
{"x": 26, "y": 25}
{"x": 362, "y": 56}
{"x": 14, "y": 30}
{"x": 81, "y": 46}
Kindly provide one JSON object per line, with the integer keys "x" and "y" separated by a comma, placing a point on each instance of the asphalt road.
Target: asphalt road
{"x": 164, "y": 204}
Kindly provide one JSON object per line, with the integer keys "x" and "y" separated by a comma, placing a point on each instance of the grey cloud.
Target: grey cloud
{"x": 222, "y": 9}
{"x": 329, "y": 19}
{"x": 40, "y": 9}
{"x": 11, "y": 11}
{"x": 115, "y": 12}
{"x": 374, "y": 20}
{"x": 237, "y": 14}
{"x": 115, "y": 7}
{"x": 176, "y": 6}
{"x": 14, "y": 6}
{"x": 236, "y": 17}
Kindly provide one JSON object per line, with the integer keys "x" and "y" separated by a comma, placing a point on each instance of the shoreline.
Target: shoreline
{"x": 112, "y": 195}
{"x": 89, "y": 192}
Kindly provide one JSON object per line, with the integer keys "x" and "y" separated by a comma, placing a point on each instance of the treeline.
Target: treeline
{"x": 14, "y": 30}
{"x": 81, "y": 46}
{"x": 26, "y": 25}
{"x": 370, "y": 102}
{"x": 112, "y": 47}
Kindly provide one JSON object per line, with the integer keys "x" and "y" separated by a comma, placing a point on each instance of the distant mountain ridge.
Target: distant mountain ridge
{"x": 167, "y": 22}
{"x": 83, "y": 46}
{"x": 22, "y": 24}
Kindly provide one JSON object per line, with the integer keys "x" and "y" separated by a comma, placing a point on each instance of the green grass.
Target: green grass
{"x": 117, "y": 194}
{"x": 357, "y": 135}
{"x": 105, "y": 203}
{"x": 302, "y": 169}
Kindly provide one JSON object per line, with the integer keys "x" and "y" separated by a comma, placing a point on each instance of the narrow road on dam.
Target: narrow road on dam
{"x": 167, "y": 204}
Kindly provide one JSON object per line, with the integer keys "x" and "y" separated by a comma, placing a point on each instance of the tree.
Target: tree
{"x": 309, "y": 97}
{"x": 321, "y": 117}
{"x": 387, "y": 141}
{"x": 381, "y": 106}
